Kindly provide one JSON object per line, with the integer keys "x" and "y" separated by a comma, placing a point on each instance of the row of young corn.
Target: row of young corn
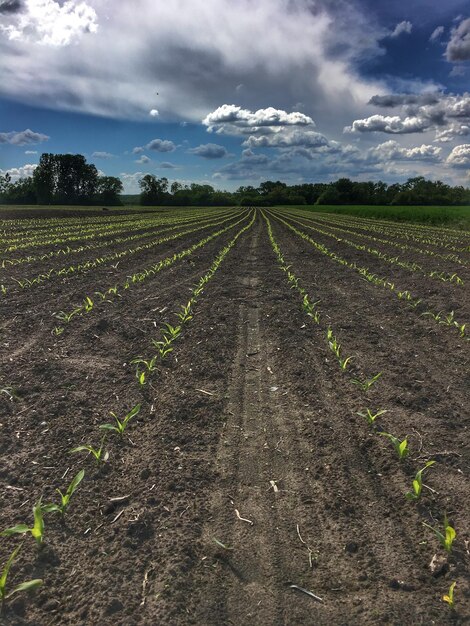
{"x": 118, "y": 427}
{"x": 441, "y": 317}
{"x": 445, "y": 534}
{"x": 142, "y": 232}
{"x": 91, "y": 264}
{"x": 349, "y": 229}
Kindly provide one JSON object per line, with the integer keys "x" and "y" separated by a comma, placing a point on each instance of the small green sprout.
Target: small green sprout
{"x": 121, "y": 425}
{"x": 343, "y": 363}
{"x": 417, "y": 484}
{"x": 101, "y": 456}
{"x": 401, "y": 447}
{"x": 172, "y": 331}
{"x": 366, "y": 384}
{"x": 446, "y": 539}
{"x": 37, "y": 531}
{"x": 449, "y": 597}
{"x": 26, "y": 586}
{"x": 64, "y": 497}
{"x": 371, "y": 417}
{"x": 58, "y": 330}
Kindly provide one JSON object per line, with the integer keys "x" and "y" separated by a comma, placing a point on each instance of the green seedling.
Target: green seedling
{"x": 401, "y": 447}
{"x": 121, "y": 425}
{"x": 65, "y": 497}
{"x": 58, "y": 330}
{"x": 37, "y": 531}
{"x": 417, "y": 485}
{"x": 172, "y": 331}
{"x": 100, "y": 455}
{"x": 366, "y": 384}
{"x": 10, "y": 392}
{"x": 371, "y": 417}
{"x": 26, "y": 586}
{"x": 343, "y": 363}
{"x": 446, "y": 538}
{"x": 88, "y": 304}
{"x": 449, "y": 596}
{"x": 150, "y": 365}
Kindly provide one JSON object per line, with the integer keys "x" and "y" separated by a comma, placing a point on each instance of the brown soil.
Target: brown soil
{"x": 248, "y": 469}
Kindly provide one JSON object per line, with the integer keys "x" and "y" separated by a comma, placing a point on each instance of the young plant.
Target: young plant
{"x": 371, "y": 417}
{"x": 449, "y": 597}
{"x": 64, "y": 497}
{"x": 121, "y": 425}
{"x": 100, "y": 455}
{"x": 26, "y": 586}
{"x": 366, "y": 384}
{"x": 172, "y": 331}
{"x": 401, "y": 447}
{"x": 446, "y": 538}
{"x": 37, "y": 531}
{"x": 343, "y": 363}
{"x": 417, "y": 485}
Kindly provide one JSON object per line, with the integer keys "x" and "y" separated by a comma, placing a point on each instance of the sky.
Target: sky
{"x": 235, "y": 92}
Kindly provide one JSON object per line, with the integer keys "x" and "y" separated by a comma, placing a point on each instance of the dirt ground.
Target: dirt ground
{"x": 248, "y": 477}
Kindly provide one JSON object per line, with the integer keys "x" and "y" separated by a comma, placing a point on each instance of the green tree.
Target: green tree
{"x": 108, "y": 190}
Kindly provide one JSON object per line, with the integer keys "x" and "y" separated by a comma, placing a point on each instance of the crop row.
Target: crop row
{"x": 99, "y": 453}
{"x": 445, "y": 534}
{"x": 445, "y": 318}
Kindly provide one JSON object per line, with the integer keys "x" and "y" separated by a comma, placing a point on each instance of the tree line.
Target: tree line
{"x": 67, "y": 179}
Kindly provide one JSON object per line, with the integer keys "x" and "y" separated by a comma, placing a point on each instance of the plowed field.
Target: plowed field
{"x": 278, "y": 358}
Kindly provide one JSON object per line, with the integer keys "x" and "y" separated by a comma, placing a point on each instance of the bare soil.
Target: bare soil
{"x": 248, "y": 478}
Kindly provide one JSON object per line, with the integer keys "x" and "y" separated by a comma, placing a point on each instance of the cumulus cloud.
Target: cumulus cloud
{"x": 157, "y": 145}
{"x": 458, "y": 47}
{"x": 210, "y": 151}
{"x": 232, "y": 119}
{"x": 143, "y": 160}
{"x": 437, "y": 33}
{"x": 388, "y": 124}
{"x": 308, "y": 138}
{"x": 311, "y": 51}
{"x": 25, "y": 171}
{"x": 460, "y": 156}
{"x": 154, "y": 113}
{"x": 452, "y": 132}
{"x": 49, "y": 22}
{"x": 402, "y": 27}
{"x": 23, "y": 137}
{"x": 396, "y": 100}
{"x": 102, "y": 155}
{"x": 392, "y": 151}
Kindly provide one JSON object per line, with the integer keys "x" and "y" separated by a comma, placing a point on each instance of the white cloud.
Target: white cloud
{"x": 437, "y": 33}
{"x": 51, "y": 23}
{"x": 209, "y": 151}
{"x": 143, "y": 160}
{"x": 392, "y": 151}
{"x": 157, "y": 145}
{"x": 25, "y": 171}
{"x": 154, "y": 113}
{"x": 232, "y": 119}
{"x": 102, "y": 155}
{"x": 388, "y": 124}
{"x": 460, "y": 156}
{"x": 22, "y": 138}
{"x": 458, "y": 48}
{"x": 402, "y": 27}
{"x": 306, "y": 138}
{"x": 452, "y": 132}
{"x": 311, "y": 51}
{"x": 30, "y": 151}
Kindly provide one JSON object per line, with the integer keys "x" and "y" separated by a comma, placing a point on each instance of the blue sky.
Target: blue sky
{"x": 234, "y": 93}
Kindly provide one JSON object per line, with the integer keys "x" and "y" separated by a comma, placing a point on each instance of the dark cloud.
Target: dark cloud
{"x": 23, "y": 138}
{"x": 395, "y": 100}
{"x": 210, "y": 151}
{"x": 458, "y": 48}
{"x": 157, "y": 145}
{"x": 11, "y": 6}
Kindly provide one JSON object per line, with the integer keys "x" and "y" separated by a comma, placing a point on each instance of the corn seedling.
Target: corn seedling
{"x": 172, "y": 331}
{"x": 343, "y": 363}
{"x": 371, "y": 417}
{"x": 64, "y": 497}
{"x": 366, "y": 384}
{"x": 121, "y": 425}
{"x": 100, "y": 455}
{"x": 401, "y": 447}
{"x": 37, "y": 531}
{"x": 446, "y": 539}
{"x": 449, "y": 596}
{"x": 417, "y": 484}
{"x": 26, "y": 586}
